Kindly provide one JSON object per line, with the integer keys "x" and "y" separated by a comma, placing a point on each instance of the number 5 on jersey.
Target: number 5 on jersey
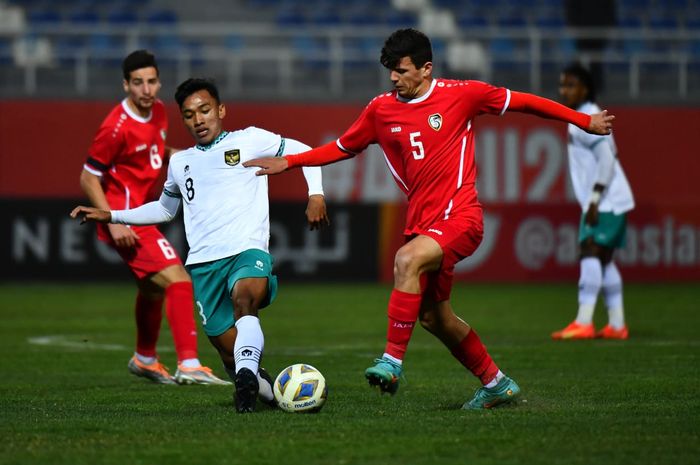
{"x": 420, "y": 153}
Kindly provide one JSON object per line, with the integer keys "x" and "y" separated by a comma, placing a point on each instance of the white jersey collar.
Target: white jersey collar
{"x": 136, "y": 116}
{"x": 419, "y": 99}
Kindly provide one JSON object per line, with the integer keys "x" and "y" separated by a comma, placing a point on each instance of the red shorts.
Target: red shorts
{"x": 151, "y": 254}
{"x": 459, "y": 237}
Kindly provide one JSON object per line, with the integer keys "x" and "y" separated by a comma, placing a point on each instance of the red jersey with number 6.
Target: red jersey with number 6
{"x": 127, "y": 153}
{"x": 428, "y": 144}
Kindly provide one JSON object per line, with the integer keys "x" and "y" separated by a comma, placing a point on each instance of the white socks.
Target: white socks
{"x": 593, "y": 278}
{"x": 392, "y": 358}
{"x": 612, "y": 291}
{"x": 588, "y": 287}
{"x": 249, "y": 343}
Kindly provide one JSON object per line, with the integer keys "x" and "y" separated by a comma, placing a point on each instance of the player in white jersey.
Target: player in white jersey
{"x": 226, "y": 214}
{"x": 605, "y": 197}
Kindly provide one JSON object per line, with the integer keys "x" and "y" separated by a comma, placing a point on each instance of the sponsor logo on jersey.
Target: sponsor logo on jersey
{"x": 435, "y": 121}
{"x": 436, "y": 231}
{"x": 187, "y": 169}
{"x": 259, "y": 264}
{"x": 232, "y": 157}
{"x": 141, "y": 147}
{"x": 396, "y": 129}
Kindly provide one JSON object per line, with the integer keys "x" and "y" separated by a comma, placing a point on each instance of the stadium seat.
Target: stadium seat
{"x": 161, "y": 18}
{"x": 122, "y": 17}
{"x": 325, "y": 17}
{"x": 5, "y": 51}
{"x": 290, "y": 17}
{"x": 84, "y": 17}
{"x": 234, "y": 42}
{"x": 468, "y": 19}
{"x": 44, "y": 17}
{"x": 395, "y": 18}
{"x": 362, "y": 16}
{"x": 659, "y": 21}
{"x": 313, "y": 52}
{"x": 550, "y": 22}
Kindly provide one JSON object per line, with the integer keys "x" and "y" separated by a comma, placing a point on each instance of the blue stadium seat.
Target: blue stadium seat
{"x": 290, "y": 17}
{"x": 630, "y": 22}
{"x": 550, "y": 22}
{"x": 658, "y": 21}
{"x": 122, "y": 17}
{"x": 312, "y": 52}
{"x": 362, "y": 16}
{"x": 5, "y": 51}
{"x": 44, "y": 17}
{"x": 325, "y": 17}
{"x": 510, "y": 21}
{"x": 692, "y": 22}
{"x": 105, "y": 49}
{"x": 234, "y": 42}
{"x": 86, "y": 17}
{"x": 161, "y": 18}
{"x": 468, "y": 19}
{"x": 395, "y": 18}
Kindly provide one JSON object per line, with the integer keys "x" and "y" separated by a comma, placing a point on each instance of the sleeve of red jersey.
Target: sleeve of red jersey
{"x": 107, "y": 144}
{"x": 545, "y": 108}
{"x": 353, "y": 141}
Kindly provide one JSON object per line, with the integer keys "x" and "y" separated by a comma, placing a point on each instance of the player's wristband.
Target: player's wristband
{"x": 595, "y": 197}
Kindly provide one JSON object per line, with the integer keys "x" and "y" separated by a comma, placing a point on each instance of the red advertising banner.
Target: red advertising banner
{"x": 531, "y": 217}
{"x": 541, "y": 243}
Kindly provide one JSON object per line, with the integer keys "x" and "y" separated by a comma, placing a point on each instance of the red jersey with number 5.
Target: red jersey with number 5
{"x": 128, "y": 153}
{"x": 428, "y": 144}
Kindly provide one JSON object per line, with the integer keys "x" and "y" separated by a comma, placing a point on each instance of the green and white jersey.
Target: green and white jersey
{"x": 584, "y": 169}
{"x": 226, "y": 208}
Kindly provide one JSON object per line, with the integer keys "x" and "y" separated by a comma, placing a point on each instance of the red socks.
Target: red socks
{"x": 149, "y": 314}
{"x": 403, "y": 312}
{"x": 472, "y": 353}
{"x": 179, "y": 299}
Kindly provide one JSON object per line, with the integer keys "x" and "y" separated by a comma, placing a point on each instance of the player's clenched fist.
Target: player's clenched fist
{"x": 92, "y": 214}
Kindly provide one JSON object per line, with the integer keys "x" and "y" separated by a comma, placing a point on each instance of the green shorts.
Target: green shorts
{"x": 609, "y": 232}
{"x": 213, "y": 284}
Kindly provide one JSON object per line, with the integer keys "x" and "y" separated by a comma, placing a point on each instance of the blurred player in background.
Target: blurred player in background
{"x": 605, "y": 197}
{"x": 124, "y": 162}
{"x": 425, "y": 127}
{"x": 227, "y": 225}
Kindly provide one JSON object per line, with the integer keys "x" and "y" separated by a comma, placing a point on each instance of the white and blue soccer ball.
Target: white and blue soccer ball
{"x": 300, "y": 388}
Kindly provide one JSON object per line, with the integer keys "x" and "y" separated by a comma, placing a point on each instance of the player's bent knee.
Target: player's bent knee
{"x": 406, "y": 262}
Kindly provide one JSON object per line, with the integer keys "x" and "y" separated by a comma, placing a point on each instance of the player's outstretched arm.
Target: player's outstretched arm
{"x": 323, "y": 155}
{"x": 599, "y": 123}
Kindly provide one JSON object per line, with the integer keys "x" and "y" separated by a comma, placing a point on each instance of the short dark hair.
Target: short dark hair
{"x": 137, "y": 60}
{"x": 406, "y": 42}
{"x": 584, "y": 76}
{"x": 193, "y": 85}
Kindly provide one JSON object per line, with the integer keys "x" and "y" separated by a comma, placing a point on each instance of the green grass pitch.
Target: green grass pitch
{"x": 66, "y": 396}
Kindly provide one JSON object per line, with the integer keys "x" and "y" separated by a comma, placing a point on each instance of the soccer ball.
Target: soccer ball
{"x": 300, "y": 388}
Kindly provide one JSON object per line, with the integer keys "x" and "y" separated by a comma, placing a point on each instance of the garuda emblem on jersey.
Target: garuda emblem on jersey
{"x": 232, "y": 157}
{"x": 435, "y": 121}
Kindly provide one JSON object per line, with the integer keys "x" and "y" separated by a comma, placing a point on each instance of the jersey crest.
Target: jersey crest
{"x": 435, "y": 121}
{"x": 232, "y": 157}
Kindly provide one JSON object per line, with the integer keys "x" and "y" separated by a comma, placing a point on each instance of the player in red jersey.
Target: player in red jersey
{"x": 425, "y": 127}
{"x": 124, "y": 161}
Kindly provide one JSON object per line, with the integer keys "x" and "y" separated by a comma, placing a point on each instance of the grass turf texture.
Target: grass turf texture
{"x": 72, "y": 401}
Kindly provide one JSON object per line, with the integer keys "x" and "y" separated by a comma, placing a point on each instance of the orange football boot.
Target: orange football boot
{"x": 611, "y": 333}
{"x": 575, "y": 331}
